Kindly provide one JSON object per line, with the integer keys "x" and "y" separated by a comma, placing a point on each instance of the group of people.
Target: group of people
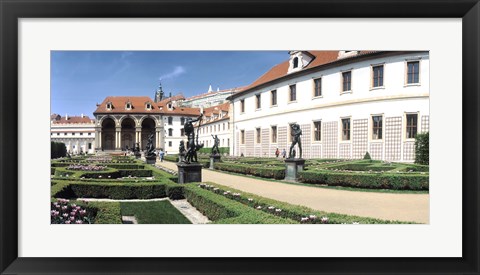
{"x": 284, "y": 153}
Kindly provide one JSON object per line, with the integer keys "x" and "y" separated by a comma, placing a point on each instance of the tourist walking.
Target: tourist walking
{"x": 277, "y": 153}
{"x": 162, "y": 154}
{"x": 284, "y": 153}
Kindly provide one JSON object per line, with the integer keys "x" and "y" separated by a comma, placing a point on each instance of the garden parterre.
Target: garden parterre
{"x": 132, "y": 179}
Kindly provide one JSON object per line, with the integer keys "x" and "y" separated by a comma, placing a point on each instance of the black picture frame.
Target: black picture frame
{"x": 11, "y": 11}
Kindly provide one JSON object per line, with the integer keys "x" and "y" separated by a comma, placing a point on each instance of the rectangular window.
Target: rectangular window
{"x": 89, "y": 134}
{"x": 170, "y": 120}
{"x": 411, "y": 125}
{"x": 259, "y": 101}
{"x": 317, "y": 130}
{"x": 170, "y": 132}
{"x": 182, "y": 132}
{"x": 228, "y": 142}
{"x": 242, "y": 136}
{"x": 242, "y": 106}
{"x": 293, "y": 92}
{"x": 259, "y": 136}
{"x": 273, "y": 95}
{"x": 81, "y": 134}
{"x": 377, "y": 80}
{"x": 182, "y": 121}
{"x": 64, "y": 134}
{"x": 377, "y": 127}
{"x": 169, "y": 144}
{"x": 274, "y": 134}
{"x": 413, "y": 70}
{"x": 318, "y": 87}
{"x": 347, "y": 81}
{"x": 58, "y": 134}
{"x": 224, "y": 126}
{"x": 345, "y": 129}
{"x": 73, "y": 134}
{"x": 89, "y": 146}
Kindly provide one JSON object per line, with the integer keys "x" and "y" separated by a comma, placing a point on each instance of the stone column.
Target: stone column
{"x": 117, "y": 138}
{"x": 138, "y": 136}
{"x": 99, "y": 140}
{"x": 157, "y": 138}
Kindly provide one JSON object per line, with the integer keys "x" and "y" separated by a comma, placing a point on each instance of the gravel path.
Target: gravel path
{"x": 402, "y": 207}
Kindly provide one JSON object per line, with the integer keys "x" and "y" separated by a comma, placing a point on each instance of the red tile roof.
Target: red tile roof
{"x": 281, "y": 70}
{"x": 138, "y": 106}
{"x": 74, "y": 120}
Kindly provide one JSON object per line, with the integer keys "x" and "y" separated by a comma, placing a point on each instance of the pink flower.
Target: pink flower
{"x": 72, "y": 218}
{"x": 67, "y": 222}
{"x": 79, "y": 222}
{"x": 65, "y": 215}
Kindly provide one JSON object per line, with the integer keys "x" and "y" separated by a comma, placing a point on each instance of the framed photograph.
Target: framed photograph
{"x": 274, "y": 97}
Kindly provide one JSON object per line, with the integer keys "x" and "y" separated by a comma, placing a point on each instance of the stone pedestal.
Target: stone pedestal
{"x": 213, "y": 159}
{"x": 292, "y": 167}
{"x": 191, "y": 172}
{"x": 151, "y": 160}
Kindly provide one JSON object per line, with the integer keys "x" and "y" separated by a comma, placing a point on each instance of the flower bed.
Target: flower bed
{"x": 64, "y": 213}
{"x": 260, "y": 171}
{"x": 81, "y": 167}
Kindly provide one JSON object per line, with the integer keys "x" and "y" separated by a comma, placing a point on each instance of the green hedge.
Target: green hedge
{"x": 264, "y": 172}
{"x": 223, "y": 210}
{"x": 363, "y": 167}
{"x": 57, "y": 150}
{"x": 422, "y": 148}
{"x": 206, "y": 150}
{"x": 175, "y": 192}
{"x": 173, "y": 158}
{"x": 105, "y": 212}
{"x": 289, "y": 211}
{"x": 374, "y": 181}
{"x": 143, "y": 190}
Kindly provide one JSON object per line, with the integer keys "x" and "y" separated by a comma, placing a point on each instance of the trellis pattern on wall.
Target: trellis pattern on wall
{"x": 345, "y": 150}
{"x": 360, "y": 138}
{"x": 237, "y": 144}
{"x": 306, "y": 139}
{"x": 330, "y": 139}
{"x": 409, "y": 150}
{"x": 393, "y": 138}
{"x": 316, "y": 151}
{"x": 266, "y": 143}
{"x": 376, "y": 150}
{"x": 249, "y": 135}
{"x": 282, "y": 139}
{"x": 425, "y": 124}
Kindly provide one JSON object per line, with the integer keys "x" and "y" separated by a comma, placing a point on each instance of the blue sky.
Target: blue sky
{"x": 80, "y": 79}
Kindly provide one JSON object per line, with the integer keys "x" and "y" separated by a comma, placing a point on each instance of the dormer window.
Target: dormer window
{"x": 109, "y": 106}
{"x": 299, "y": 60}
{"x": 128, "y": 105}
{"x": 148, "y": 106}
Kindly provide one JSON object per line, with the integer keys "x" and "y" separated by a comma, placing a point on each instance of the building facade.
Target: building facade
{"x": 347, "y": 103}
{"x": 76, "y": 132}
{"x": 216, "y": 121}
{"x": 123, "y": 121}
{"x": 210, "y": 98}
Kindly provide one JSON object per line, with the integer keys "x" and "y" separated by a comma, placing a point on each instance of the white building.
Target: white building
{"x": 210, "y": 98}
{"x": 347, "y": 103}
{"x": 216, "y": 121}
{"x": 76, "y": 132}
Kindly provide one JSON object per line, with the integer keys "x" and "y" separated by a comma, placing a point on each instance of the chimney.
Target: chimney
{"x": 82, "y": 115}
{"x": 66, "y": 116}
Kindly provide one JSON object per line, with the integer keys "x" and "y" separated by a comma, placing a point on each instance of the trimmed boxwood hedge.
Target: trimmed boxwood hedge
{"x": 290, "y": 211}
{"x": 223, "y": 210}
{"x": 363, "y": 167}
{"x": 373, "y": 181}
{"x": 264, "y": 172}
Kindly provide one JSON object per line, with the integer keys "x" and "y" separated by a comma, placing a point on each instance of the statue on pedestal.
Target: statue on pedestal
{"x": 216, "y": 142}
{"x": 150, "y": 152}
{"x": 181, "y": 151}
{"x": 296, "y": 132}
{"x": 192, "y": 144}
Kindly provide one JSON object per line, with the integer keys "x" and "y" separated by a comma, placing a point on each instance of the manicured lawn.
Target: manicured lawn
{"x": 153, "y": 212}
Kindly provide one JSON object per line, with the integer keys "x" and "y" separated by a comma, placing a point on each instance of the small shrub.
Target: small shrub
{"x": 57, "y": 150}
{"x": 367, "y": 156}
{"x": 422, "y": 148}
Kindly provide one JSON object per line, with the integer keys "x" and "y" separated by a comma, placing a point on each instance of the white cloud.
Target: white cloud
{"x": 178, "y": 70}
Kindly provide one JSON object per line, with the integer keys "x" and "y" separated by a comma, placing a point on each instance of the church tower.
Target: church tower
{"x": 159, "y": 93}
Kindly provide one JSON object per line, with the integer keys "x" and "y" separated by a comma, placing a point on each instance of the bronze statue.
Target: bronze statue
{"x": 192, "y": 145}
{"x": 150, "y": 148}
{"x": 216, "y": 141}
{"x": 296, "y": 133}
